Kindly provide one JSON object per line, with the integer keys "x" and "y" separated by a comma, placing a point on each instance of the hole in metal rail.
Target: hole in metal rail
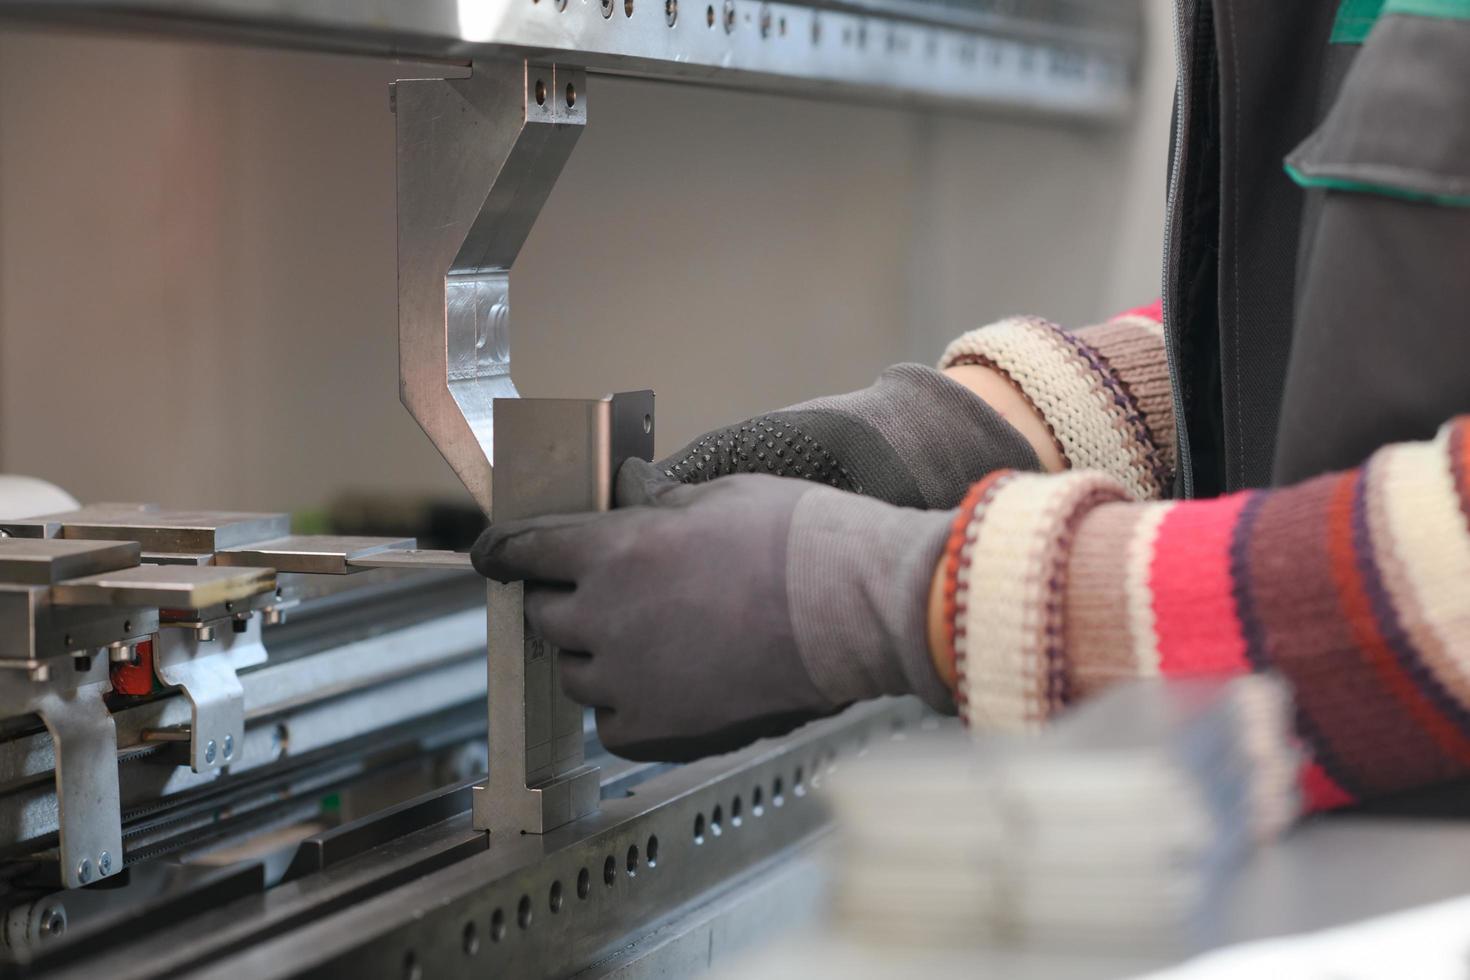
{"x": 411, "y": 968}
{"x": 607, "y": 8}
{"x": 470, "y": 939}
{"x": 571, "y": 95}
{"x": 709, "y": 16}
{"x": 729, "y": 16}
{"x": 717, "y": 821}
{"x": 584, "y": 883}
{"x": 798, "y": 786}
{"x": 757, "y": 802}
{"x": 647, "y": 424}
{"x": 776, "y": 792}
{"x": 497, "y": 925}
{"x": 671, "y": 12}
{"x": 627, "y": 8}
{"x": 554, "y": 897}
{"x": 632, "y": 862}
{"x": 609, "y": 871}
{"x": 540, "y": 92}
{"x": 737, "y": 811}
{"x": 523, "y": 912}
{"x": 699, "y": 828}
{"x": 652, "y": 850}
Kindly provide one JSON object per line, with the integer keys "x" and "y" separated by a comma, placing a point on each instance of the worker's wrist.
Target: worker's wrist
{"x": 1008, "y": 401}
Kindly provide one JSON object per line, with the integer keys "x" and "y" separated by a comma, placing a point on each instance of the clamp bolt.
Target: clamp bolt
{"x": 104, "y": 863}
{"x": 229, "y": 747}
{"x": 209, "y": 752}
{"x": 84, "y": 871}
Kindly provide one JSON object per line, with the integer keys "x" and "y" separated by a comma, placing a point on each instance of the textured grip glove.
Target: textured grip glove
{"x": 696, "y": 619}
{"x": 915, "y": 439}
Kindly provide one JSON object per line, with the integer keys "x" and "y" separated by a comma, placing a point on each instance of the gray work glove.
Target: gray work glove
{"x": 696, "y": 619}
{"x": 915, "y": 438}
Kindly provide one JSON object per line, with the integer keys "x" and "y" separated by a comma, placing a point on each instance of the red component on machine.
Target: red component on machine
{"x": 135, "y": 677}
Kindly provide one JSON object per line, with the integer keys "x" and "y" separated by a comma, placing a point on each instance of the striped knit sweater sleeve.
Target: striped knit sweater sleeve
{"x": 1352, "y": 586}
{"x": 1103, "y": 390}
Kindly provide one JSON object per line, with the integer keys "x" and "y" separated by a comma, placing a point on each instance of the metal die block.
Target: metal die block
{"x": 44, "y": 561}
{"x": 318, "y": 554}
{"x": 206, "y": 671}
{"x": 33, "y": 630}
{"x": 52, "y": 525}
{"x": 178, "y": 558}
{"x": 176, "y": 531}
{"x": 166, "y": 586}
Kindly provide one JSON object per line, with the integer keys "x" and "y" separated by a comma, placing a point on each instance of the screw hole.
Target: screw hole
{"x": 632, "y": 863}
{"x": 716, "y": 821}
{"x": 699, "y": 828}
{"x": 609, "y": 871}
{"x": 470, "y": 940}
{"x": 497, "y": 925}
{"x": 607, "y": 8}
{"x": 729, "y": 16}
{"x": 757, "y": 802}
{"x": 798, "y": 787}
{"x": 554, "y": 897}
{"x": 540, "y": 92}
{"x": 671, "y": 12}
{"x": 584, "y": 883}
{"x": 627, "y": 8}
{"x": 127, "y": 626}
{"x": 737, "y": 810}
{"x": 571, "y": 95}
{"x": 647, "y": 424}
{"x": 652, "y": 850}
{"x": 411, "y": 968}
{"x": 523, "y": 912}
{"x": 776, "y": 787}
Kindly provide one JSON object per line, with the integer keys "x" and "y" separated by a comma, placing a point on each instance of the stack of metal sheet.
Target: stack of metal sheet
{"x": 1115, "y": 827}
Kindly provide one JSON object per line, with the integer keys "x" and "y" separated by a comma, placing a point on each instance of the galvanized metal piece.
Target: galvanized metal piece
{"x": 166, "y": 586}
{"x": 1076, "y": 58}
{"x": 44, "y": 561}
{"x": 84, "y": 740}
{"x": 205, "y": 670}
{"x": 561, "y": 455}
{"x": 320, "y": 554}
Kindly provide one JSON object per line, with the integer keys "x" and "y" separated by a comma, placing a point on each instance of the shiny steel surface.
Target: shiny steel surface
{"x": 43, "y": 561}
{"x": 1068, "y": 56}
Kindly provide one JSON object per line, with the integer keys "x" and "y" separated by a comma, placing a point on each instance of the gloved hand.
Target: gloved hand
{"x": 914, "y": 438}
{"x": 696, "y": 619}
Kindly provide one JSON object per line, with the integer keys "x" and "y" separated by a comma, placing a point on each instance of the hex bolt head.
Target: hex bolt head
{"x": 84, "y": 871}
{"x": 209, "y": 752}
{"x": 120, "y": 653}
{"x": 229, "y": 746}
{"x": 204, "y": 634}
{"x": 104, "y": 863}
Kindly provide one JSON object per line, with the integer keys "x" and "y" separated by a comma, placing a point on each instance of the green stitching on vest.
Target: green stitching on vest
{"x": 1447, "y": 9}
{"x": 1355, "y": 18}
{"x": 1384, "y": 190}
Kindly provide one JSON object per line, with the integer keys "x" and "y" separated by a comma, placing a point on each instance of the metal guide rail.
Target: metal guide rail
{"x": 1075, "y": 57}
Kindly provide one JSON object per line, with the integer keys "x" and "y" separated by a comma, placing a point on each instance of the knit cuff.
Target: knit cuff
{"x": 1005, "y": 571}
{"x": 1104, "y": 391}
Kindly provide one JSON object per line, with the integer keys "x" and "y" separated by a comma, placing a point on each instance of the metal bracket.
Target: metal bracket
{"x": 205, "y": 670}
{"x": 477, "y": 158}
{"x": 84, "y": 741}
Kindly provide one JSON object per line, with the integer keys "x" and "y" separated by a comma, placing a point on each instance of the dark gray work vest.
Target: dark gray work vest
{"x": 1317, "y": 249}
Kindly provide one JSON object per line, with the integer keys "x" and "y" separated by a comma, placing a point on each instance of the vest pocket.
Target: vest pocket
{"x": 1400, "y": 126}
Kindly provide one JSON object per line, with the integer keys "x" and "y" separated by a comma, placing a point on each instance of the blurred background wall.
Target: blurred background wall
{"x": 197, "y": 299}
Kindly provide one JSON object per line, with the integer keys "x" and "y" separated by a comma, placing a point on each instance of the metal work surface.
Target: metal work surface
{"x": 1069, "y": 56}
{"x": 415, "y": 891}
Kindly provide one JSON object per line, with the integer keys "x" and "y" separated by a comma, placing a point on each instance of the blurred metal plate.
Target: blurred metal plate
{"x": 43, "y": 561}
{"x": 165, "y": 586}
{"x": 415, "y": 558}
{"x": 323, "y": 554}
{"x": 170, "y": 530}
